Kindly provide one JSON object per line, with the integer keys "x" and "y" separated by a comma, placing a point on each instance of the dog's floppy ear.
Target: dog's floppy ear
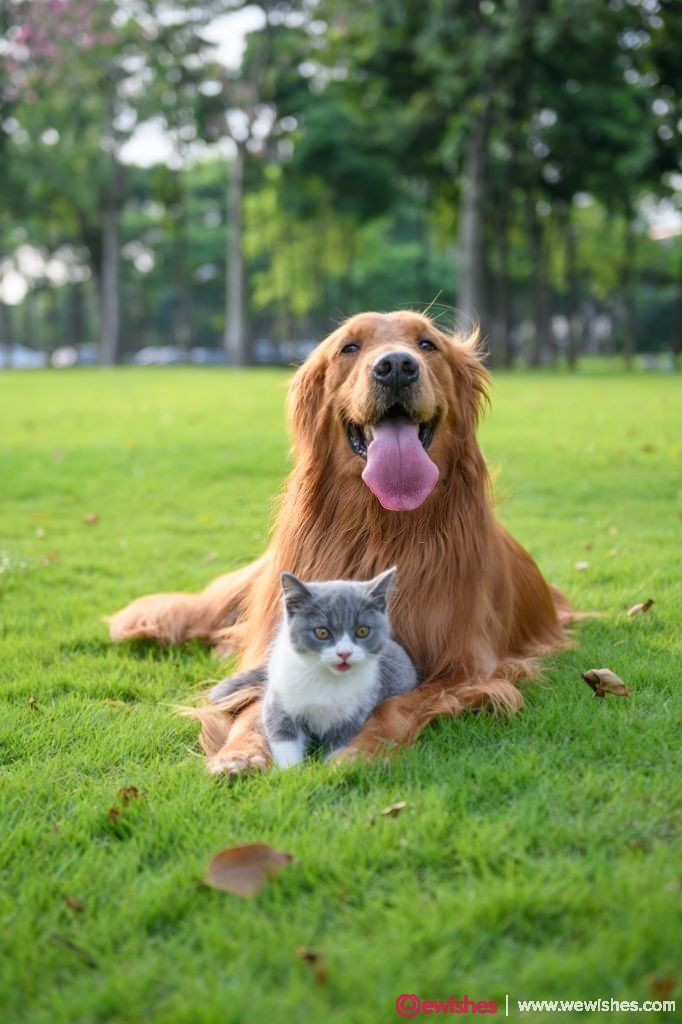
{"x": 306, "y": 398}
{"x": 466, "y": 360}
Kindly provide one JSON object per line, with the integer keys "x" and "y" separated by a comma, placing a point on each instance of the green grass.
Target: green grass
{"x": 539, "y": 857}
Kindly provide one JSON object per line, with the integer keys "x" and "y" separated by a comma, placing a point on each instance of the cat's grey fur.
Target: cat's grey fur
{"x": 308, "y": 698}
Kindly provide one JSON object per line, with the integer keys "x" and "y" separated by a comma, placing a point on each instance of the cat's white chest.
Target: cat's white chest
{"x": 306, "y": 688}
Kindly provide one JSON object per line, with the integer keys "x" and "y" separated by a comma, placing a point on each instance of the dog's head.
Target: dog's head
{"x": 390, "y": 398}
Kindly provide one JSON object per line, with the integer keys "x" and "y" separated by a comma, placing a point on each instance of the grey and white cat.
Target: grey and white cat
{"x": 331, "y": 664}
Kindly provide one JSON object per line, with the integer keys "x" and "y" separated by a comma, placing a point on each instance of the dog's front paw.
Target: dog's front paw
{"x": 363, "y": 748}
{"x": 231, "y": 763}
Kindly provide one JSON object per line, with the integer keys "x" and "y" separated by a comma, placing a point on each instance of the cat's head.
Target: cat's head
{"x": 344, "y": 622}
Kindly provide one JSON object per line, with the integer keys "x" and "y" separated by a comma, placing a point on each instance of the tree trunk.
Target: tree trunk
{"x": 76, "y": 314}
{"x": 628, "y": 274}
{"x": 472, "y": 296}
{"x": 676, "y": 326}
{"x": 572, "y": 312}
{"x": 182, "y": 320}
{"x": 501, "y": 352}
{"x": 542, "y": 331}
{"x": 235, "y": 336}
{"x": 6, "y": 334}
{"x": 109, "y": 282}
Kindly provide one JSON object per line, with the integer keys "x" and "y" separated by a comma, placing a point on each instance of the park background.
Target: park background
{"x": 217, "y": 181}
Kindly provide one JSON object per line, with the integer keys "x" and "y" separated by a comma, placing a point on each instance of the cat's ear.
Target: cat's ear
{"x": 295, "y": 591}
{"x": 380, "y": 587}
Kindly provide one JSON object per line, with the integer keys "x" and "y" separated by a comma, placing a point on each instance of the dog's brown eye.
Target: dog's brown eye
{"x": 351, "y": 347}
{"x": 362, "y": 632}
{"x": 427, "y": 345}
{"x": 321, "y": 633}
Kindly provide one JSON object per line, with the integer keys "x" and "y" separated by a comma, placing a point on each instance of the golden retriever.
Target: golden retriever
{"x": 387, "y": 472}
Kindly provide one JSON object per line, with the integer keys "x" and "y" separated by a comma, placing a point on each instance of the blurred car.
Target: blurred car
{"x": 160, "y": 355}
{"x": 66, "y": 356}
{"x": 19, "y": 357}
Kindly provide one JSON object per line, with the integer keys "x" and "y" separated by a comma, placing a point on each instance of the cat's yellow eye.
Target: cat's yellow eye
{"x": 362, "y": 632}
{"x": 321, "y": 633}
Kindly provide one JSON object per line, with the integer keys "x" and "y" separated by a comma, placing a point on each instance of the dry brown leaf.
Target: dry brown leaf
{"x": 637, "y": 609}
{"x": 78, "y": 951}
{"x": 91, "y": 519}
{"x": 311, "y": 956}
{"x": 127, "y": 794}
{"x": 114, "y": 814}
{"x": 603, "y": 680}
{"x": 582, "y": 566}
{"x": 76, "y": 905}
{"x": 317, "y": 961}
{"x": 661, "y": 986}
{"x": 118, "y": 704}
{"x": 33, "y": 704}
{"x": 394, "y": 809}
{"x": 244, "y": 870}
{"x": 321, "y": 973}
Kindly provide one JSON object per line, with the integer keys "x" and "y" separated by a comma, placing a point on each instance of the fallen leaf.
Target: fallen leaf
{"x": 118, "y": 704}
{"x": 394, "y": 809}
{"x": 244, "y": 870}
{"x": 582, "y": 566}
{"x": 91, "y": 519}
{"x": 127, "y": 794}
{"x": 316, "y": 960}
{"x": 83, "y": 954}
{"x": 33, "y": 703}
{"x": 661, "y": 986}
{"x": 311, "y": 956}
{"x": 637, "y": 609}
{"x": 76, "y": 905}
{"x": 638, "y": 844}
{"x": 603, "y": 680}
{"x": 114, "y": 813}
{"x": 321, "y": 973}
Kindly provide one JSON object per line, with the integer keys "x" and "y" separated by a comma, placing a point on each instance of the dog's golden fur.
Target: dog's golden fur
{"x": 471, "y": 608}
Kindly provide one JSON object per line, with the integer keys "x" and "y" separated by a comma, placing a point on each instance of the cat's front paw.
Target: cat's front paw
{"x": 232, "y": 763}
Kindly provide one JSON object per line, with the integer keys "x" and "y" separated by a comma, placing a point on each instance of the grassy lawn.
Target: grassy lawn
{"x": 539, "y": 857}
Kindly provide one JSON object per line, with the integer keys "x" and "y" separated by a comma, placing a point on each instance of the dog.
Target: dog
{"x": 387, "y": 471}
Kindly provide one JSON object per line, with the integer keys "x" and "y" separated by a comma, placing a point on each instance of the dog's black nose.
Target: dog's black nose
{"x": 396, "y": 370}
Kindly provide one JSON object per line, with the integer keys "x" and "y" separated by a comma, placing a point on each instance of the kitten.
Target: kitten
{"x": 332, "y": 663}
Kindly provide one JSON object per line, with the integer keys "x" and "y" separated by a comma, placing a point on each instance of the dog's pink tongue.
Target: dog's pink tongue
{"x": 398, "y": 470}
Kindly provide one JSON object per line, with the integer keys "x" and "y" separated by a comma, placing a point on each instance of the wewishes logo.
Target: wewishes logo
{"x": 410, "y": 1005}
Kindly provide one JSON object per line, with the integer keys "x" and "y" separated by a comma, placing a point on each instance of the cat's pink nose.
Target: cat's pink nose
{"x": 344, "y": 655}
